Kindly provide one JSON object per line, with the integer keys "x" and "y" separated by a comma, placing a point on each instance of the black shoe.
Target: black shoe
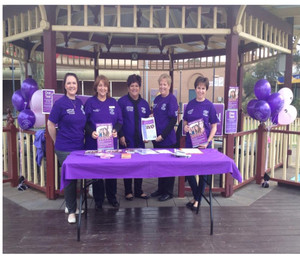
{"x": 143, "y": 196}
{"x": 155, "y": 194}
{"x": 129, "y": 197}
{"x": 164, "y": 197}
{"x": 189, "y": 205}
{"x": 115, "y": 203}
{"x": 98, "y": 207}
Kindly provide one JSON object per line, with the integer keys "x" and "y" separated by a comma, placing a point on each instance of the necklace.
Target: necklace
{"x": 73, "y": 103}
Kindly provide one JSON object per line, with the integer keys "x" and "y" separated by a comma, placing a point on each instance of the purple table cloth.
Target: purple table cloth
{"x": 80, "y": 166}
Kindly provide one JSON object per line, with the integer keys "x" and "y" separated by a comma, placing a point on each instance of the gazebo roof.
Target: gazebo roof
{"x": 150, "y": 32}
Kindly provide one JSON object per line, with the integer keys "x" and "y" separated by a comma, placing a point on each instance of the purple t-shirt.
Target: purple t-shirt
{"x": 98, "y": 112}
{"x": 196, "y": 110}
{"x": 164, "y": 109}
{"x": 128, "y": 127}
{"x": 70, "y": 118}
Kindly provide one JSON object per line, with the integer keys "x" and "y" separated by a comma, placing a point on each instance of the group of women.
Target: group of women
{"x": 76, "y": 130}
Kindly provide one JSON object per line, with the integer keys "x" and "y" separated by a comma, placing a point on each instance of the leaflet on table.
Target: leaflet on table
{"x": 148, "y": 128}
{"x": 105, "y": 139}
{"x": 197, "y": 133}
{"x": 145, "y": 151}
{"x": 191, "y": 150}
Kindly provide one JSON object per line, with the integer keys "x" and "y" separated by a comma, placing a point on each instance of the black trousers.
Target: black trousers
{"x": 137, "y": 186}
{"x": 70, "y": 190}
{"x": 102, "y": 187}
{"x": 165, "y": 185}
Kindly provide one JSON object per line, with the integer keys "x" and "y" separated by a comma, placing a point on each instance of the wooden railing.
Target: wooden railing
{"x": 249, "y": 149}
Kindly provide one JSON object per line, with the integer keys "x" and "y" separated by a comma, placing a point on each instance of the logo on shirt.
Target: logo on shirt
{"x": 154, "y": 105}
{"x": 205, "y": 112}
{"x": 190, "y": 111}
{"x": 143, "y": 110}
{"x": 163, "y": 107}
{"x": 129, "y": 108}
{"x": 96, "y": 110}
{"x": 112, "y": 110}
{"x": 70, "y": 111}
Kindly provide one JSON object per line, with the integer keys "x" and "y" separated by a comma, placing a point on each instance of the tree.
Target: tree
{"x": 263, "y": 70}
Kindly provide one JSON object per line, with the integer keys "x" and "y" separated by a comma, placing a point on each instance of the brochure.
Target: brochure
{"x": 105, "y": 139}
{"x": 145, "y": 151}
{"x": 191, "y": 150}
{"x": 148, "y": 128}
{"x": 197, "y": 132}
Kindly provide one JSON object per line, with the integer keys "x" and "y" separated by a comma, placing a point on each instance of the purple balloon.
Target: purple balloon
{"x": 26, "y": 119}
{"x": 28, "y": 87}
{"x": 18, "y": 101}
{"x": 276, "y": 102}
{"x": 262, "y": 111}
{"x": 262, "y": 89}
{"x": 250, "y": 107}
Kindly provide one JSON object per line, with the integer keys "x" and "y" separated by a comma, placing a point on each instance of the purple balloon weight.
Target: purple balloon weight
{"x": 26, "y": 119}
{"x": 28, "y": 87}
{"x": 262, "y": 89}
{"x": 276, "y": 102}
{"x": 251, "y": 107}
{"x": 18, "y": 101}
{"x": 262, "y": 111}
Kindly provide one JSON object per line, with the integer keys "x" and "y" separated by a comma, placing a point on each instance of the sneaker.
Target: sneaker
{"x": 72, "y": 218}
{"x": 77, "y": 211}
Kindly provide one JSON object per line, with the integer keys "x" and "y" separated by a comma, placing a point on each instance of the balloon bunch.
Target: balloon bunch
{"x": 275, "y": 106}
{"x": 28, "y": 101}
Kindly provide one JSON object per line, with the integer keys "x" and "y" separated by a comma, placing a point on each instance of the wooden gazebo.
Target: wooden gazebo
{"x": 168, "y": 38}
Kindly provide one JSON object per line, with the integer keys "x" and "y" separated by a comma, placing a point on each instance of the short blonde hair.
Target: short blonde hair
{"x": 167, "y": 77}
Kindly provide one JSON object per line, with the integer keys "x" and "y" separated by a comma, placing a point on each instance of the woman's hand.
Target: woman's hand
{"x": 123, "y": 141}
{"x": 186, "y": 128}
{"x": 159, "y": 138}
{"x": 114, "y": 133}
{"x": 94, "y": 135}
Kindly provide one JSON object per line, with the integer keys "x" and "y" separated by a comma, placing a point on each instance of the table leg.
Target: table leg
{"x": 80, "y": 209}
{"x": 208, "y": 182}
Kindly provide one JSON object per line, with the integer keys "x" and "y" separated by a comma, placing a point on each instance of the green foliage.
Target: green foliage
{"x": 262, "y": 70}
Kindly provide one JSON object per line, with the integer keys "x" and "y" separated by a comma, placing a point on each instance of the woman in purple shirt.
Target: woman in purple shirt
{"x": 165, "y": 112}
{"x": 133, "y": 108}
{"x": 99, "y": 109}
{"x": 200, "y": 108}
{"x": 68, "y": 113}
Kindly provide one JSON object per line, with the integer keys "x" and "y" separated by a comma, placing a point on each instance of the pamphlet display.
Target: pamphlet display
{"x": 105, "y": 139}
{"x": 148, "y": 128}
{"x": 197, "y": 133}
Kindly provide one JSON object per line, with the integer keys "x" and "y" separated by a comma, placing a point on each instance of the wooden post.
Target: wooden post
{"x": 12, "y": 149}
{"x": 50, "y": 83}
{"x": 261, "y": 152}
{"x": 228, "y": 177}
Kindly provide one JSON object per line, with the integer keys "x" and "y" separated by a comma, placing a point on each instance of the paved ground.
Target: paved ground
{"x": 32, "y": 199}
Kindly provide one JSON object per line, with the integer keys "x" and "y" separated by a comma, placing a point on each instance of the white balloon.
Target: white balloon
{"x": 36, "y": 102}
{"x": 287, "y": 115}
{"x": 287, "y": 95}
{"x": 39, "y": 120}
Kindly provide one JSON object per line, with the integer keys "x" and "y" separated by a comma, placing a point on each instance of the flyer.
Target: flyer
{"x": 105, "y": 139}
{"x": 197, "y": 133}
{"x": 148, "y": 128}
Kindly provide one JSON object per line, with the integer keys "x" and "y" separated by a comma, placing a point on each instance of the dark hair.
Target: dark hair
{"x": 134, "y": 79}
{"x": 201, "y": 80}
{"x": 97, "y": 82}
{"x": 65, "y": 79}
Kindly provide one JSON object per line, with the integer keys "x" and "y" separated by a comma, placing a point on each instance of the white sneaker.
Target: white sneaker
{"x": 77, "y": 211}
{"x": 72, "y": 218}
